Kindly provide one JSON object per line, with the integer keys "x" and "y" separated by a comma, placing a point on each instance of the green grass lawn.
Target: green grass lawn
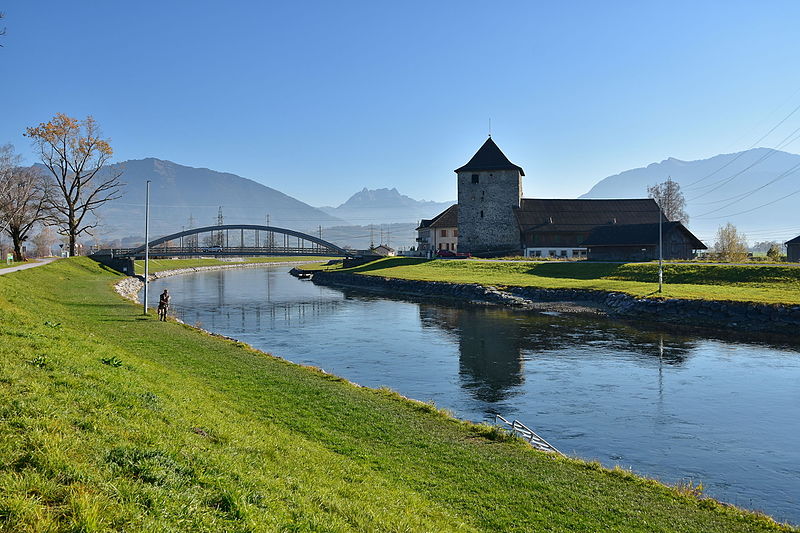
{"x": 159, "y": 265}
{"x": 112, "y": 421}
{"x": 15, "y": 263}
{"x": 756, "y": 283}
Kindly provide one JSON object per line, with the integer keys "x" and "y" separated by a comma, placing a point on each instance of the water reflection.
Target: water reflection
{"x": 495, "y": 344}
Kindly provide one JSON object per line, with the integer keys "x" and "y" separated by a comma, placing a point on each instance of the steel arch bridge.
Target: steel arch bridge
{"x": 237, "y": 240}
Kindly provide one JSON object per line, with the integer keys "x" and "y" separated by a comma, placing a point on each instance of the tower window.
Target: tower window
{"x": 481, "y": 213}
{"x": 475, "y": 178}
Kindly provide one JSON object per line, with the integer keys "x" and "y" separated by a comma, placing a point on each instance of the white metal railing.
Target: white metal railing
{"x": 516, "y": 427}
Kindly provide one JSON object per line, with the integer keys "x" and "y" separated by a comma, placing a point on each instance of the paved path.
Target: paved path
{"x": 38, "y": 262}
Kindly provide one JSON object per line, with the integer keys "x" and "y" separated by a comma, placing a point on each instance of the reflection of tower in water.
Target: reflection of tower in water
{"x": 490, "y": 358}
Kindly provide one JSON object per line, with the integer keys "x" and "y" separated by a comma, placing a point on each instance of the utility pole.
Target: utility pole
{"x": 220, "y": 222}
{"x": 146, "y": 245}
{"x": 270, "y": 236}
{"x": 192, "y": 241}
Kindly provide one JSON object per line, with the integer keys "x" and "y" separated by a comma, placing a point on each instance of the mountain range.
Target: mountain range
{"x": 385, "y": 206}
{"x": 181, "y": 196}
{"x": 724, "y": 188}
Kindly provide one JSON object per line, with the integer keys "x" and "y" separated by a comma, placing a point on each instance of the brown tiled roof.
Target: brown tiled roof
{"x": 446, "y": 219}
{"x": 424, "y": 223}
{"x": 489, "y": 157}
{"x": 638, "y": 235}
{"x": 536, "y": 214}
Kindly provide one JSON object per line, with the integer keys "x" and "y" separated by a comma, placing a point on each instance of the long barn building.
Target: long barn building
{"x": 493, "y": 219}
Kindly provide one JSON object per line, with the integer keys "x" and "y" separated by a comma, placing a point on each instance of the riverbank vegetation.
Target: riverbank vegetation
{"x": 160, "y": 265}
{"x": 110, "y": 420}
{"x": 756, "y": 283}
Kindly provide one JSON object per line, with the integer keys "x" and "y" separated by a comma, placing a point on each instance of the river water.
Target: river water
{"x": 676, "y": 408}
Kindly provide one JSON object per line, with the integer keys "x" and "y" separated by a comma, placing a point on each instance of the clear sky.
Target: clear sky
{"x": 320, "y": 99}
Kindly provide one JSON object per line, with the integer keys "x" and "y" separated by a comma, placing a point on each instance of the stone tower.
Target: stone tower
{"x": 489, "y": 189}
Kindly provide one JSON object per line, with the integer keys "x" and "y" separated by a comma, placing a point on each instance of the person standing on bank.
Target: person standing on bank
{"x": 163, "y": 305}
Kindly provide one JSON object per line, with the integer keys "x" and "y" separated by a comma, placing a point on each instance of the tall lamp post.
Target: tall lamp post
{"x": 146, "y": 245}
{"x": 660, "y": 251}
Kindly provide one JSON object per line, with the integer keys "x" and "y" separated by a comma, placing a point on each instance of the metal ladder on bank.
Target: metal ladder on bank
{"x": 521, "y": 430}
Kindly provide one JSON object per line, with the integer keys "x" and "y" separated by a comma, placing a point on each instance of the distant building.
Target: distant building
{"x": 793, "y": 249}
{"x": 492, "y": 218}
{"x": 383, "y": 251}
{"x": 439, "y": 233}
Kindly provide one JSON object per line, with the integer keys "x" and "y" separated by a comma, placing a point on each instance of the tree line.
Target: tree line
{"x": 65, "y": 190}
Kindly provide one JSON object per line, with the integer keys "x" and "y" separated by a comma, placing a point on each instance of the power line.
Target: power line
{"x": 776, "y": 126}
{"x": 754, "y": 208}
{"x": 738, "y": 198}
{"x": 785, "y": 142}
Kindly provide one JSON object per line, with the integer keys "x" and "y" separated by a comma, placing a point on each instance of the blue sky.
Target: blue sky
{"x": 320, "y": 99}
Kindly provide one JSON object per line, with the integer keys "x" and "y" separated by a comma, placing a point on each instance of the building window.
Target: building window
{"x": 483, "y": 194}
{"x": 481, "y": 213}
{"x": 552, "y": 253}
{"x": 441, "y": 246}
{"x": 444, "y": 233}
{"x": 455, "y": 233}
{"x": 475, "y": 178}
{"x": 563, "y": 253}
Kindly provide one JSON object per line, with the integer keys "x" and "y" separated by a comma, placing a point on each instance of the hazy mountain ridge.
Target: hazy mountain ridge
{"x": 179, "y": 191}
{"x": 385, "y": 206}
{"x": 708, "y": 187}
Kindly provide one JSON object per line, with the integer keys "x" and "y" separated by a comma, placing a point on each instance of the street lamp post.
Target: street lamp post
{"x": 146, "y": 245}
{"x": 660, "y": 252}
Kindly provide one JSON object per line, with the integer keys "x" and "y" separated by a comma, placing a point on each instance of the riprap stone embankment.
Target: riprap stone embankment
{"x": 744, "y": 316}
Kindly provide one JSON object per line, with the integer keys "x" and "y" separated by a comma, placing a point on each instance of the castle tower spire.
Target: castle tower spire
{"x": 489, "y": 190}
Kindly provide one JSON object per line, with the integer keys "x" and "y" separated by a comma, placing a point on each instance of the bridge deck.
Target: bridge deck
{"x": 232, "y": 251}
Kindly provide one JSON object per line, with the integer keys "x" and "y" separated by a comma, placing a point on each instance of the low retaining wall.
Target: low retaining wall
{"x": 747, "y": 316}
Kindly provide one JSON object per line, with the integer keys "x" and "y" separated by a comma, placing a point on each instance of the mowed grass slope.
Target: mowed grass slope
{"x": 112, "y": 421}
{"x": 757, "y": 283}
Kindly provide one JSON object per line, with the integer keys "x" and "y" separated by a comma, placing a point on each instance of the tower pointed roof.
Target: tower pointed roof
{"x": 490, "y": 157}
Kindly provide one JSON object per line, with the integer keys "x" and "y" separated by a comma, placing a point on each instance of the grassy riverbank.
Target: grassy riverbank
{"x": 159, "y": 265}
{"x": 756, "y": 283}
{"x": 113, "y": 421}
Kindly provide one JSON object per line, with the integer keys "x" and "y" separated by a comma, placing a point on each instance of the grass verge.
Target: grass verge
{"x": 756, "y": 283}
{"x": 112, "y": 421}
{"x": 159, "y": 265}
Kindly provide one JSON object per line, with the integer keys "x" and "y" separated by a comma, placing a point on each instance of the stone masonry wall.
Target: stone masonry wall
{"x": 496, "y": 194}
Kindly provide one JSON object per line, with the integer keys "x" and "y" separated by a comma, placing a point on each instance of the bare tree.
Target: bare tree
{"x": 669, "y": 197}
{"x": 22, "y": 201}
{"x": 731, "y": 245}
{"x": 74, "y": 153}
{"x": 44, "y": 241}
{"x": 22, "y": 198}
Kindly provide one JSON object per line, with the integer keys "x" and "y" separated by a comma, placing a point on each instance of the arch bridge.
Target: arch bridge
{"x": 236, "y": 240}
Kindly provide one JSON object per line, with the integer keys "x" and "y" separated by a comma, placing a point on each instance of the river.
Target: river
{"x": 673, "y": 407}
